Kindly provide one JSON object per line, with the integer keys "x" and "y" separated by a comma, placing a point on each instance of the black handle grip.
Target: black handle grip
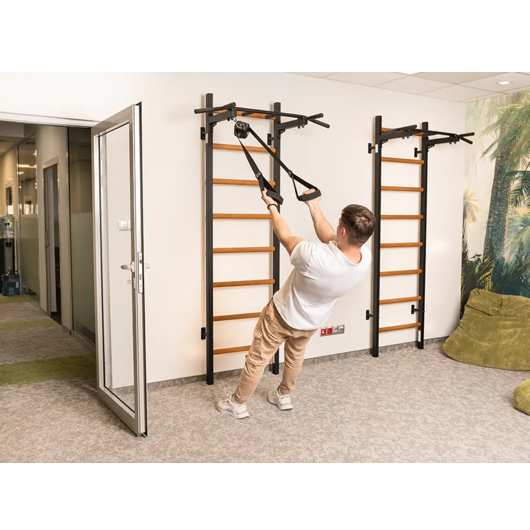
{"x": 275, "y": 196}
{"x": 310, "y": 196}
{"x": 321, "y": 123}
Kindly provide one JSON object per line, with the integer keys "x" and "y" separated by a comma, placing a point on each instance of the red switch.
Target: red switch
{"x": 330, "y": 331}
{"x": 322, "y": 332}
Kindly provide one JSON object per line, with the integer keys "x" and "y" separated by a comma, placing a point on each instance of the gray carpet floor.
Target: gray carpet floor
{"x": 47, "y": 340}
{"x": 406, "y": 406}
{"x": 38, "y": 344}
{"x": 22, "y": 312}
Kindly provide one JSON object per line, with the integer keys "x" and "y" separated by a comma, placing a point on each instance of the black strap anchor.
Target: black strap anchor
{"x": 241, "y": 130}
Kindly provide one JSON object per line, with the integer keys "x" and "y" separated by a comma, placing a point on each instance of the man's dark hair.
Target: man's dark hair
{"x": 359, "y": 223}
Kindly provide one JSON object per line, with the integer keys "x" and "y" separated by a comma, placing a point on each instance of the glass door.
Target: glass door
{"x": 119, "y": 266}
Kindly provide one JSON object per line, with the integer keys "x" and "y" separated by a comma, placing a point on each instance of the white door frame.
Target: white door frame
{"x": 45, "y": 120}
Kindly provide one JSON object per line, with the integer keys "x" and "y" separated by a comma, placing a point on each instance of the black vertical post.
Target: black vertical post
{"x": 423, "y": 236}
{"x": 276, "y": 241}
{"x": 377, "y": 237}
{"x": 209, "y": 243}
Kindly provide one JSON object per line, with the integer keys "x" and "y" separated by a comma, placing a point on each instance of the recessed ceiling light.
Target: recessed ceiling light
{"x": 408, "y": 73}
{"x": 504, "y": 83}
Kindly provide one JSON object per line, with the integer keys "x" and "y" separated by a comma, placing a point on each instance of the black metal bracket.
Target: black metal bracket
{"x": 368, "y": 315}
{"x": 416, "y": 152}
{"x": 299, "y": 122}
{"x": 403, "y": 132}
{"x": 269, "y": 139}
{"x": 227, "y": 115}
{"x": 203, "y": 334}
{"x": 204, "y": 132}
{"x": 451, "y": 139}
{"x": 302, "y": 122}
{"x": 371, "y": 146}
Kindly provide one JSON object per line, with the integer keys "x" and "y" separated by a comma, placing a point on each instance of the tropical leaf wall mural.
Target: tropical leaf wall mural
{"x": 496, "y": 209}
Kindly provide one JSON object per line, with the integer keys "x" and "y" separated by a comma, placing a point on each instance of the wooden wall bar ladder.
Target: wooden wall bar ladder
{"x": 207, "y": 133}
{"x": 381, "y": 136}
{"x": 214, "y": 115}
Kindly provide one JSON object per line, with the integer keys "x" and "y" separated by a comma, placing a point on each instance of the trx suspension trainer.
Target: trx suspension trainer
{"x": 241, "y": 130}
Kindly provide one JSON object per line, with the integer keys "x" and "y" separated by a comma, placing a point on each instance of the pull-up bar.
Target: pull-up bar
{"x": 231, "y": 110}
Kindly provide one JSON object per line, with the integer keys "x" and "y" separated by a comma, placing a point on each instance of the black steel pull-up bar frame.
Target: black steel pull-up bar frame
{"x": 214, "y": 115}
{"x": 429, "y": 139}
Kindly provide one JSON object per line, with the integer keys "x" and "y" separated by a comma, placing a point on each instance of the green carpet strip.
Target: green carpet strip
{"x": 12, "y": 300}
{"x": 35, "y": 371}
{"x": 28, "y": 324}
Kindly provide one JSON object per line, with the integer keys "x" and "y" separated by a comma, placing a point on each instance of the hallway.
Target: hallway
{"x": 35, "y": 348}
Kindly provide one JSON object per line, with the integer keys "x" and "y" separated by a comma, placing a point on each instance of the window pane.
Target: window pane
{"x": 28, "y": 210}
{"x": 81, "y": 218}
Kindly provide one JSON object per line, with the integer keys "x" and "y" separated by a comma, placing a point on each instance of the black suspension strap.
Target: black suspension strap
{"x": 263, "y": 183}
{"x": 240, "y": 129}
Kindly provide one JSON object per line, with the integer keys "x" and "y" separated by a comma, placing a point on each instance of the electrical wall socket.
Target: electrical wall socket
{"x": 332, "y": 330}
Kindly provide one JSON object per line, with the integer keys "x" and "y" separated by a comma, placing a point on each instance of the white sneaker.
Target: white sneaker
{"x": 282, "y": 402}
{"x": 233, "y": 408}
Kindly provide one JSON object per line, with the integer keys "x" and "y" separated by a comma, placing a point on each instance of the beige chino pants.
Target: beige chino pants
{"x": 270, "y": 333}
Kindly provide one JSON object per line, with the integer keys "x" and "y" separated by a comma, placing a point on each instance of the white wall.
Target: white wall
{"x": 335, "y": 159}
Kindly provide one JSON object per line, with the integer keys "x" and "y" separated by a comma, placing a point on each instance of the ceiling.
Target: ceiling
{"x": 453, "y": 86}
{"x": 5, "y": 144}
{"x": 10, "y": 135}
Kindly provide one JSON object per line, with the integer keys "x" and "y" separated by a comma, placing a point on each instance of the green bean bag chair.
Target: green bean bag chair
{"x": 494, "y": 332}
{"x": 521, "y": 396}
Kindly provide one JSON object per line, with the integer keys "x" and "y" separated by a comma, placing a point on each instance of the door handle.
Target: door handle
{"x": 129, "y": 267}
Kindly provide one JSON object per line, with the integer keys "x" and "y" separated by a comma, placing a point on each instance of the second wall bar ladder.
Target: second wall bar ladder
{"x": 381, "y": 136}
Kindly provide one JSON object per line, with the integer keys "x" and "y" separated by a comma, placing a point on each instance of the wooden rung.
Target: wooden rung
{"x": 242, "y": 249}
{"x": 389, "y": 129}
{"x": 394, "y": 245}
{"x": 243, "y": 283}
{"x": 401, "y": 273}
{"x": 236, "y": 317}
{"x": 231, "y": 350}
{"x": 403, "y": 326}
{"x": 402, "y": 217}
{"x": 255, "y": 115}
{"x": 400, "y": 160}
{"x": 398, "y": 300}
{"x": 239, "y": 182}
{"x": 231, "y": 147}
{"x": 399, "y": 188}
{"x": 242, "y": 216}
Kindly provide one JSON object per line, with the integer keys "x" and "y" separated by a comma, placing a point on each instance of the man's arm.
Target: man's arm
{"x": 280, "y": 226}
{"x": 323, "y": 229}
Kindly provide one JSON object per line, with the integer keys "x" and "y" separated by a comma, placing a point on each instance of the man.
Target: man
{"x": 322, "y": 273}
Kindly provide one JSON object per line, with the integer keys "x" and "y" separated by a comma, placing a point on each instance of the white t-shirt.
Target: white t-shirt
{"x": 321, "y": 274}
